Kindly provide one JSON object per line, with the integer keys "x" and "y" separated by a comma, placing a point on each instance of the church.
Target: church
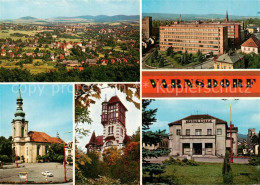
{"x": 113, "y": 120}
{"x": 29, "y": 144}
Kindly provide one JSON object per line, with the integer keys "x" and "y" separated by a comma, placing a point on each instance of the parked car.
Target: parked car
{"x": 47, "y": 173}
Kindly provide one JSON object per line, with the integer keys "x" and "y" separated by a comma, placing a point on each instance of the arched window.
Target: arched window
{"x": 109, "y": 143}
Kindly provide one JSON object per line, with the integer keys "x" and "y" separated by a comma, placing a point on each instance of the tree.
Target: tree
{"x": 55, "y": 152}
{"x": 161, "y": 63}
{"x": 149, "y": 138}
{"x": 254, "y": 139}
{"x": 226, "y": 170}
{"x": 169, "y": 51}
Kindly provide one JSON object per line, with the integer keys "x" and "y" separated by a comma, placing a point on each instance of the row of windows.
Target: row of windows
{"x": 189, "y": 37}
{"x": 198, "y": 132}
{"x": 189, "y": 29}
{"x": 192, "y": 33}
{"x": 191, "y": 41}
{"x": 189, "y": 45}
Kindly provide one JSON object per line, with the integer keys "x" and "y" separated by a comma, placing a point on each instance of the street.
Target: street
{"x": 11, "y": 174}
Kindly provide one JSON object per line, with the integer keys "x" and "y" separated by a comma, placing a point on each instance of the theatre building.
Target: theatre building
{"x": 201, "y": 135}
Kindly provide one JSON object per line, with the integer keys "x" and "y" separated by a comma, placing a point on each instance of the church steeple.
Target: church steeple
{"x": 227, "y": 16}
{"x": 180, "y": 19}
{"x": 19, "y": 113}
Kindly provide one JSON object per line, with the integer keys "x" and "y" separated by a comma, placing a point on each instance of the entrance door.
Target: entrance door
{"x": 197, "y": 148}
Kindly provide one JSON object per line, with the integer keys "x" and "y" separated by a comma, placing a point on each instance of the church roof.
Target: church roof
{"x": 252, "y": 42}
{"x": 41, "y": 137}
{"x": 199, "y": 116}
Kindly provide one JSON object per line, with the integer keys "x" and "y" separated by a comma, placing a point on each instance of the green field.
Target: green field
{"x": 211, "y": 173}
{"x": 44, "y": 67}
{"x": 7, "y": 35}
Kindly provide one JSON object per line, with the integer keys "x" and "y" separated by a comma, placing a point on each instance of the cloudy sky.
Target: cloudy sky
{"x": 133, "y": 119}
{"x": 234, "y": 7}
{"x": 245, "y": 112}
{"x": 48, "y": 108}
{"x": 12, "y": 9}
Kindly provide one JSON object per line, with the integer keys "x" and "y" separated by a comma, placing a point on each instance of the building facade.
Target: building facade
{"x": 201, "y": 135}
{"x": 147, "y": 27}
{"x": 230, "y": 60}
{"x": 192, "y": 38}
{"x": 252, "y": 45}
{"x": 113, "y": 120}
{"x": 29, "y": 144}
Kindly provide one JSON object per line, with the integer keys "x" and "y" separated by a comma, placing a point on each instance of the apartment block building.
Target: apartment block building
{"x": 192, "y": 38}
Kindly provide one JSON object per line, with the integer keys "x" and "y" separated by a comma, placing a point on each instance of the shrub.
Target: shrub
{"x": 39, "y": 158}
{"x": 60, "y": 158}
{"x": 227, "y": 171}
{"x": 254, "y": 161}
{"x": 4, "y": 158}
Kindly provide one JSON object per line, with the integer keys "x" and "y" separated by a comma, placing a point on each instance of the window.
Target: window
{"x": 27, "y": 151}
{"x": 208, "y": 145}
{"x": 178, "y": 132}
{"x": 197, "y": 132}
{"x": 186, "y": 145}
{"x": 22, "y": 134}
{"x": 109, "y": 143}
{"x": 38, "y": 150}
{"x": 219, "y": 131}
{"x": 187, "y": 132}
{"x": 209, "y": 131}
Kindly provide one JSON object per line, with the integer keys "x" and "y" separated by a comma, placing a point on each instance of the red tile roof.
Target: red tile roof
{"x": 41, "y": 137}
{"x": 199, "y": 116}
{"x": 114, "y": 99}
{"x": 252, "y": 42}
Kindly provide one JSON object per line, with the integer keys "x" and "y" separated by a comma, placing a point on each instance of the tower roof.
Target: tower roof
{"x": 115, "y": 99}
{"x": 97, "y": 141}
{"x": 19, "y": 94}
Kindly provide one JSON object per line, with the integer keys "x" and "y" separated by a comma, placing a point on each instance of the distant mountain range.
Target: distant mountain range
{"x": 241, "y": 136}
{"x": 84, "y": 18}
{"x": 191, "y": 17}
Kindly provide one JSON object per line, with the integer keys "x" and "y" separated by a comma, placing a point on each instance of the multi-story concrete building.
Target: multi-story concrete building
{"x": 29, "y": 145}
{"x": 201, "y": 135}
{"x": 113, "y": 120}
{"x": 192, "y": 38}
{"x": 147, "y": 27}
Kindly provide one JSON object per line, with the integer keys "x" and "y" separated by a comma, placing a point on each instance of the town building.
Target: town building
{"x": 113, "y": 120}
{"x": 230, "y": 60}
{"x": 29, "y": 144}
{"x": 192, "y": 38}
{"x": 147, "y": 27}
{"x": 201, "y": 135}
{"x": 69, "y": 150}
{"x": 252, "y": 45}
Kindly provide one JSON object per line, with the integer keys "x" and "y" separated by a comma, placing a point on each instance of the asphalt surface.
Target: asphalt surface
{"x": 10, "y": 173}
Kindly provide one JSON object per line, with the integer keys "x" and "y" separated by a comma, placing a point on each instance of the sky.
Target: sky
{"x": 48, "y": 108}
{"x": 245, "y": 112}
{"x": 133, "y": 116}
{"x": 13, "y": 9}
{"x": 234, "y": 7}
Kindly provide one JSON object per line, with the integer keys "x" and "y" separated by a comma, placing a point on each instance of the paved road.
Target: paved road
{"x": 202, "y": 159}
{"x": 10, "y": 173}
{"x": 146, "y": 57}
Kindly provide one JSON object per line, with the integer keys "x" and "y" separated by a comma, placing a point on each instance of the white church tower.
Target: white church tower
{"x": 19, "y": 127}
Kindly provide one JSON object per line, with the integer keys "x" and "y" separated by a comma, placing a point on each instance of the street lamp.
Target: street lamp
{"x": 231, "y": 127}
{"x": 64, "y": 159}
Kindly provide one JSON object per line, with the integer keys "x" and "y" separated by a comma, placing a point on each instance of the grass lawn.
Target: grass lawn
{"x": 211, "y": 173}
{"x": 172, "y": 62}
